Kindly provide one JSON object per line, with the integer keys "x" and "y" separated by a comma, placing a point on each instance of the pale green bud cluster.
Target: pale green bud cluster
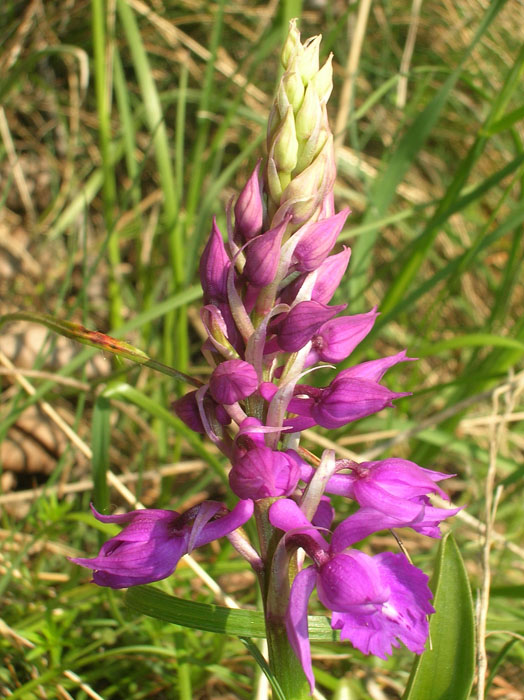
{"x": 300, "y": 167}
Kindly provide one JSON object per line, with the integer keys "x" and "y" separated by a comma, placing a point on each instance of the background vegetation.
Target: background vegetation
{"x": 123, "y": 128}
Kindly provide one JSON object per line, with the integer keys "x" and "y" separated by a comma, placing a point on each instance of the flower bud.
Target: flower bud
{"x": 186, "y": 408}
{"x": 309, "y": 115}
{"x": 265, "y": 473}
{"x": 336, "y": 339}
{"x": 306, "y": 191}
{"x": 232, "y": 381}
{"x": 302, "y": 322}
{"x": 294, "y": 88}
{"x": 322, "y": 81}
{"x": 217, "y": 331}
{"x": 285, "y": 145}
{"x": 346, "y": 400}
{"x": 292, "y": 46}
{"x": 317, "y": 240}
{"x": 274, "y": 184}
{"x": 214, "y": 267}
{"x": 249, "y": 210}
{"x": 308, "y": 61}
{"x": 329, "y": 275}
{"x": 263, "y": 256}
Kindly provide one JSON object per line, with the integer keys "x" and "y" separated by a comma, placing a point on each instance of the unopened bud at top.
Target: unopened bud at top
{"x": 285, "y": 144}
{"x": 292, "y": 46}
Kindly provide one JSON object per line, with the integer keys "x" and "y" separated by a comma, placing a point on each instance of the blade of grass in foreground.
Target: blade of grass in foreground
{"x": 445, "y": 672}
{"x": 102, "y": 48}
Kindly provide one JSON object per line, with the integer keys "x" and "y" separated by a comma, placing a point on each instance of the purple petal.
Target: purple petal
{"x": 296, "y": 620}
{"x": 147, "y": 550}
{"x": 186, "y": 408}
{"x": 249, "y": 210}
{"x": 214, "y": 267}
{"x": 347, "y": 400}
{"x": 336, "y": 339}
{"x": 329, "y": 275}
{"x": 226, "y": 524}
{"x": 350, "y": 579}
{"x": 316, "y": 241}
{"x": 263, "y": 256}
{"x": 403, "y": 478}
{"x": 302, "y": 322}
{"x": 359, "y": 525}
{"x": 324, "y": 515}
{"x": 264, "y": 473}
{"x": 374, "y": 370}
{"x": 232, "y": 381}
{"x": 287, "y": 516}
{"x": 402, "y": 617}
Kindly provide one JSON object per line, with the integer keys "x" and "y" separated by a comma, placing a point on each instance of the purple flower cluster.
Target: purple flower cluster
{"x": 267, "y": 314}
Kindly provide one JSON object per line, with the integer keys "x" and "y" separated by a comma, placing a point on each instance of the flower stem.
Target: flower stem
{"x": 283, "y": 663}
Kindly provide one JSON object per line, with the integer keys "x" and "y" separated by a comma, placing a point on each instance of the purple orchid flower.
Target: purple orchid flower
{"x": 316, "y": 241}
{"x": 264, "y": 473}
{"x": 302, "y": 322}
{"x": 154, "y": 541}
{"x": 335, "y": 340}
{"x": 393, "y": 493}
{"x": 232, "y": 381}
{"x": 387, "y": 602}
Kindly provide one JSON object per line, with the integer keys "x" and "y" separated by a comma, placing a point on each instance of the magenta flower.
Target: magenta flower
{"x": 343, "y": 401}
{"x": 393, "y": 493}
{"x": 232, "y": 381}
{"x": 387, "y": 601}
{"x": 264, "y": 473}
{"x": 263, "y": 256}
{"x": 154, "y": 541}
{"x": 302, "y": 322}
{"x": 335, "y": 340}
{"x": 317, "y": 240}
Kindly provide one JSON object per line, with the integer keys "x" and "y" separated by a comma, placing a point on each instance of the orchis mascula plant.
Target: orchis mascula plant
{"x": 267, "y": 315}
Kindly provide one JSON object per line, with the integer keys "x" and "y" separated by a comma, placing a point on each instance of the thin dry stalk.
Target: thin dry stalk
{"x": 84, "y": 485}
{"x": 492, "y": 497}
{"x": 348, "y": 88}
{"x": 443, "y": 415}
{"x": 14, "y": 164}
{"x": 402, "y": 87}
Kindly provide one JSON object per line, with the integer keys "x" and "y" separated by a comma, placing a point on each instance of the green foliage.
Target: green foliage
{"x": 446, "y": 670}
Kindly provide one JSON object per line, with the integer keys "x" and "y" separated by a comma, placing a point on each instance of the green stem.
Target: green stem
{"x": 102, "y": 48}
{"x": 283, "y": 663}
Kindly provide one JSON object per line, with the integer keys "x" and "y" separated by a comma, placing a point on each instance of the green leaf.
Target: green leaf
{"x": 100, "y": 437}
{"x": 446, "y": 671}
{"x": 470, "y": 340}
{"x": 213, "y": 618}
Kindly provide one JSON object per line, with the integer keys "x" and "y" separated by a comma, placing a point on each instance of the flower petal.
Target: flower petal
{"x": 296, "y": 620}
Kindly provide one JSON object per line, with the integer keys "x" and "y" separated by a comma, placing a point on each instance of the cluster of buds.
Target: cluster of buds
{"x": 266, "y": 311}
